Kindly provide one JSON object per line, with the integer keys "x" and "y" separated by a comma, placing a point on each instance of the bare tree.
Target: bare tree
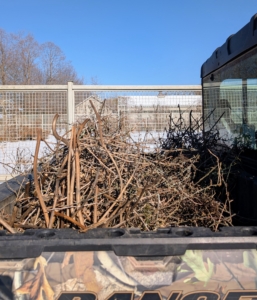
{"x": 6, "y": 57}
{"x": 56, "y": 69}
{"x": 27, "y": 52}
{"x": 24, "y": 61}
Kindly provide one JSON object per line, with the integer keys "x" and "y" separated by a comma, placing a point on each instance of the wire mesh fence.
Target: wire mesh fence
{"x": 21, "y": 113}
{"x": 140, "y": 109}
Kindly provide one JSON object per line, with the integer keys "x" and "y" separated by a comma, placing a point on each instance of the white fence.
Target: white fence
{"x": 23, "y": 109}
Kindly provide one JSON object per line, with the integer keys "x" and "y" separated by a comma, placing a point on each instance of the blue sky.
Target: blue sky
{"x": 137, "y": 42}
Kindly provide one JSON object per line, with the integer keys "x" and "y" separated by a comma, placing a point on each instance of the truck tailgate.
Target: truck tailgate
{"x": 172, "y": 263}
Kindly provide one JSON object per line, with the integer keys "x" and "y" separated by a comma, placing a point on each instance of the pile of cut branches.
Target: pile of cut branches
{"x": 97, "y": 177}
{"x": 217, "y": 161}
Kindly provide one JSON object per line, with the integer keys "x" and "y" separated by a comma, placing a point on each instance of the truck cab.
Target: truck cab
{"x": 229, "y": 88}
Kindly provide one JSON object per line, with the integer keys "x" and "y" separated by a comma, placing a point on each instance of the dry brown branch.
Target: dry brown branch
{"x": 81, "y": 219}
{"x": 7, "y": 226}
{"x": 56, "y": 135}
{"x": 37, "y": 187}
{"x": 51, "y": 221}
{"x": 95, "y": 205}
{"x": 69, "y": 173}
{"x": 70, "y": 219}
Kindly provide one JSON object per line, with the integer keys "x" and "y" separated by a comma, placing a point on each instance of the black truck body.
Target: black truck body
{"x": 229, "y": 88}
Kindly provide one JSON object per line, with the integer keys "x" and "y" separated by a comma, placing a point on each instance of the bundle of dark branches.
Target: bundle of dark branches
{"x": 212, "y": 149}
{"x": 97, "y": 177}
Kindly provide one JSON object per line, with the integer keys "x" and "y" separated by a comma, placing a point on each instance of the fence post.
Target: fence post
{"x": 70, "y": 105}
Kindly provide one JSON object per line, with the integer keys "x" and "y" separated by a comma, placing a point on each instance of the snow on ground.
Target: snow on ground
{"x": 17, "y": 157}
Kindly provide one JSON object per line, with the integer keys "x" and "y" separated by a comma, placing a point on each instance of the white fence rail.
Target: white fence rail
{"x": 23, "y": 109}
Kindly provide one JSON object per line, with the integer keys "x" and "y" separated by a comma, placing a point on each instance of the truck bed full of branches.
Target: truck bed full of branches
{"x": 97, "y": 176}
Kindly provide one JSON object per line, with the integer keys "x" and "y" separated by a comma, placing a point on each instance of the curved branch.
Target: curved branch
{"x": 81, "y": 126}
{"x": 61, "y": 215}
{"x": 56, "y": 135}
